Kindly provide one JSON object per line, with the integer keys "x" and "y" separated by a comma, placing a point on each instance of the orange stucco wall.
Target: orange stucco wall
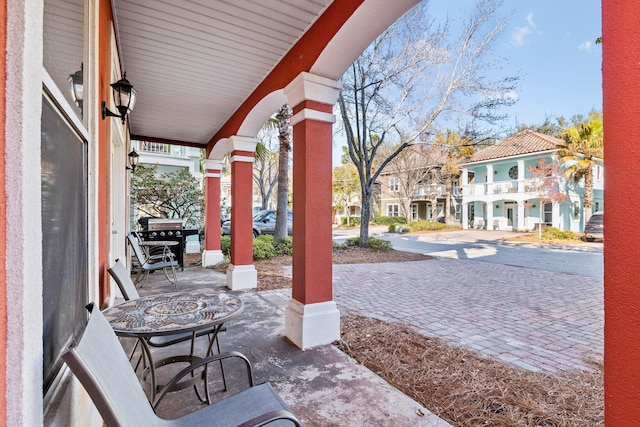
{"x": 3, "y": 222}
{"x": 621, "y": 106}
{"x": 105, "y": 19}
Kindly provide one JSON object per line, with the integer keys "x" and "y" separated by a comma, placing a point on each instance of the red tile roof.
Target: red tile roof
{"x": 523, "y": 142}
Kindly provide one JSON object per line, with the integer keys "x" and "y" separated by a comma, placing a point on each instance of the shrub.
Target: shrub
{"x": 555, "y": 233}
{"x": 285, "y": 247}
{"x": 378, "y": 244}
{"x": 426, "y": 225}
{"x": 354, "y": 241}
{"x": 354, "y": 220}
{"x": 264, "y": 247}
{"x": 225, "y": 244}
{"x": 389, "y": 220}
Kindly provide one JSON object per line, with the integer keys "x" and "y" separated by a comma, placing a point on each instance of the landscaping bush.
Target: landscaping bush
{"x": 285, "y": 247}
{"x": 426, "y": 225}
{"x": 389, "y": 220}
{"x": 378, "y": 244}
{"x": 552, "y": 233}
{"x": 354, "y": 220}
{"x": 373, "y": 243}
{"x": 225, "y": 244}
{"x": 264, "y": 247}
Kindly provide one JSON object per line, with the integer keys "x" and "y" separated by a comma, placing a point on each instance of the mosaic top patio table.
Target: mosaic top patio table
{"x": 170, "y": 314}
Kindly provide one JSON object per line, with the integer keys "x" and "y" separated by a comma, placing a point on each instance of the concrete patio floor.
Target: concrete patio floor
{"x": 323, "y": 386}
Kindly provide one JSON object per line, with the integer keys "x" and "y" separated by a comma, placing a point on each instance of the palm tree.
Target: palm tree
{"x": 583, "y": 150}
{"x": 284, "y": 136}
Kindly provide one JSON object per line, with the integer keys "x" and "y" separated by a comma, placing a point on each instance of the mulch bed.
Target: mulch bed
{"x": 468, "y": 390}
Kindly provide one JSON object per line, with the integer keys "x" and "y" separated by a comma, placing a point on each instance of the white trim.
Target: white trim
{"x": 212, "y": 165}
{"x": 309, "y": 114}
{"x": 307, "y": 86}
{"x": 212, "y": 257}
{"x": 312, "y": 325}
{"x": 242, "y": 143}
{"x": 242, "y": 277}
{"x": 246, "y": 159}
{"x": 212, "y": 175}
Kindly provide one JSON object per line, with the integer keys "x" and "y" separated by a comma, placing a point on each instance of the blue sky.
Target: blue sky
{"x": 551, "y": 46}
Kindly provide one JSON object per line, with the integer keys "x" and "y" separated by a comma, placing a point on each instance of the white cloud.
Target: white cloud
{"x": 518, "y": 38}
{"x": 586, "y": 47}
{"x": 529, "y": 19}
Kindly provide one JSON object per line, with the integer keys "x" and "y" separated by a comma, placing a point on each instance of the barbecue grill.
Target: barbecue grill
{"x": 167, "y": 230}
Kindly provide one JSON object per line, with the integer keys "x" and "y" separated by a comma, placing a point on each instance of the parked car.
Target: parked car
{"x": 264, "y": 222}
{"x": 594, "y": 229}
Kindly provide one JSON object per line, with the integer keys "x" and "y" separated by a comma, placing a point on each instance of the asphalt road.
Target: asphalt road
{"x": 486, "y": 246}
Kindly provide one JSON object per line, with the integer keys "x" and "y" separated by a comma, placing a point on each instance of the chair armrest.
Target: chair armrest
{"x": 198, "y": 364}
{"x": 268, "y": 417}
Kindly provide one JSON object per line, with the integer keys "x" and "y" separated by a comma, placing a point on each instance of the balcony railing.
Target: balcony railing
{"x": 160, "y": 148}
{"x": 502, "y": 187}
{"x": 435, "y": 191}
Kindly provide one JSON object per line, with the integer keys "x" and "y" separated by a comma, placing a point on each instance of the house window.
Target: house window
{"x": 64, "y": 183}
{"x": 576, "y": 210}
{"x": 393, "y": 210}
{"x": 548, "y": 213}
{"x": 394, "y": 184}
{"x": 414, "y": 212}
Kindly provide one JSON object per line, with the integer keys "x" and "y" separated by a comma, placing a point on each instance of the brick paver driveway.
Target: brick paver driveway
{"x": 539, "y": 320}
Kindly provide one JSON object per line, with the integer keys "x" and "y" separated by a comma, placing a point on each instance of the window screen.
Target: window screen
{"x": 64, "y": 235}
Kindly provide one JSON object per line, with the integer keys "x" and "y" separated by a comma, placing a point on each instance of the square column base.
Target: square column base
{"x": 312, "y": 325}
{"x": 242, "y": 277}
{"x": 211, "y": 258}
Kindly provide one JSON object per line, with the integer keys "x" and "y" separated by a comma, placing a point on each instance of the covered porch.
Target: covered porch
{"x": 208, "y": 74}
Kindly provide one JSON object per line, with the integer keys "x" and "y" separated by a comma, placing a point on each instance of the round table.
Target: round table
{"x": 170, "y": 314}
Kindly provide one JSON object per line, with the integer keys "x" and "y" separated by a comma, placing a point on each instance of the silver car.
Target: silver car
{"x": 264, "y": 222}
{"x": 595, "y": 227}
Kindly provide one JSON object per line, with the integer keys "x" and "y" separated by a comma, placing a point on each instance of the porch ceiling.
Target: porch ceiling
{"x": 193, "y": 63}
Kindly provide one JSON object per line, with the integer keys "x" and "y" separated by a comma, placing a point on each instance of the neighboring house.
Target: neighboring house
{"x": 500, "y": 192}
{"x": 418, "y": 192}
{"x": 346, "y": 206}
{"x": 169, "y": 158}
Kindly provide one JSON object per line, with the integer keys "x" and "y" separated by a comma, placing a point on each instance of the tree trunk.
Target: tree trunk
{"x": 365, "y": 214}
{"x": 588, "y": 195}
{"x": 447, "y": 205}
{"x": 283, "y": 116}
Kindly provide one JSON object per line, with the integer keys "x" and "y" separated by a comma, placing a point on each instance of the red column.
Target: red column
{"x": 312, "y": 317}
{"x": 312, "y": 214}
{"x": 242, "y": 273}
{"x": 621, "y": 107}
{"x": 212, "y": 254}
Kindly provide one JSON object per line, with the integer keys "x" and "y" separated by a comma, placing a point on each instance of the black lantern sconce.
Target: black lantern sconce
{"x": 133, "y": 160}
{"x": 124, "y": 96}
{"x": 77, "y": 87}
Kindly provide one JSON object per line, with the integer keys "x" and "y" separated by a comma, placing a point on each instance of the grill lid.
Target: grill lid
{"x": 156, "y": 224}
